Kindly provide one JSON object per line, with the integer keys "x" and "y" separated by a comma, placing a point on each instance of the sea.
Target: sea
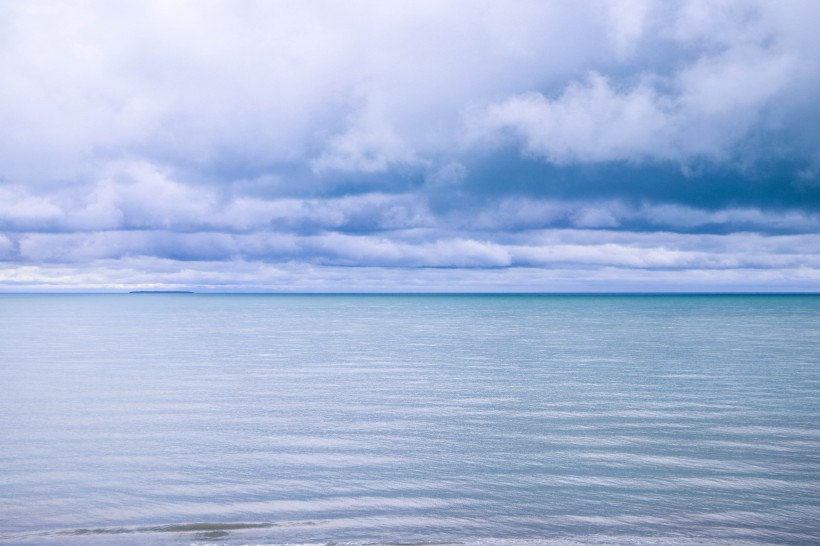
{"x": 409, "y": 419}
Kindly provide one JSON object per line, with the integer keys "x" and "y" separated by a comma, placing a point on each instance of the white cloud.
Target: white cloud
{"x": 6, "y": 248}
{"x": 594, "y": 217}
{"x": 19, "y": 206}
{"x": 590, "y": 122}
{"x": 369, "y": 145}
{"x": 143, "y": 273}
{"x": 581, "y": 249}
{"x": 143, "y": 196}
{"x": 369, "y": 87}
{"x": 713, "y": 104}
{"x": 351, "y": 87}
{"x": 628, "y": 22}
{"x": 739, "y": 67}
{"x": 223, "y": 143}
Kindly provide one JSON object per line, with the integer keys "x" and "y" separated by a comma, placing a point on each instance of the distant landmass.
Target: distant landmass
{"x": 160, "y": 292}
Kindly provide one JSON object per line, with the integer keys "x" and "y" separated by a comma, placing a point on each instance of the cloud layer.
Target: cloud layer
{"x": 410, "y": 146}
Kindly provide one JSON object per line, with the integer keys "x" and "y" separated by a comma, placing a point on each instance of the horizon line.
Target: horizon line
{"x": 432, "y": 293}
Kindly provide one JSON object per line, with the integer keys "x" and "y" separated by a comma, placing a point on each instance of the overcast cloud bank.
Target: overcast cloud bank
{"x": 419, "y": 146}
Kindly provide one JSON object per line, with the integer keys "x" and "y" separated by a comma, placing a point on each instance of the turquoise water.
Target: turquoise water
{"x": 178, "y": 419}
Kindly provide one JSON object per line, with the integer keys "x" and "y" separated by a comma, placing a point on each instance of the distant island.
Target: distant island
{"x": 160, "y": 292}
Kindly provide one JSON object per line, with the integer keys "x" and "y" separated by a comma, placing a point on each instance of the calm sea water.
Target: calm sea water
{"x": 177, "y": 419}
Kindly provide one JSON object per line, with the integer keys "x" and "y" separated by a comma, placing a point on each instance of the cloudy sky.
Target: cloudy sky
{"x": 410, "y": 146}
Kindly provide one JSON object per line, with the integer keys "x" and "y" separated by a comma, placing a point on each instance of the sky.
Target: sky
{"x": 410, "y": 146}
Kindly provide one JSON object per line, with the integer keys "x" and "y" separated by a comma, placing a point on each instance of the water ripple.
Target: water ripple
{"x": 376, "y": 420}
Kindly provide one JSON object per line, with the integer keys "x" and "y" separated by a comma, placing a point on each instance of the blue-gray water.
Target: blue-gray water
{"x": 176, "y": 419}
